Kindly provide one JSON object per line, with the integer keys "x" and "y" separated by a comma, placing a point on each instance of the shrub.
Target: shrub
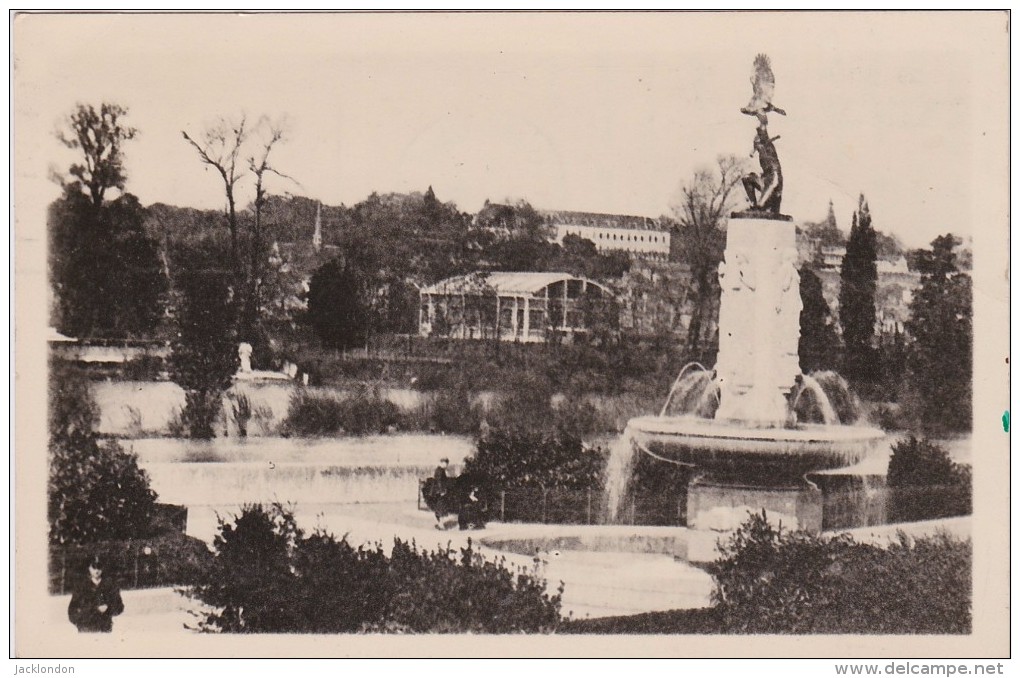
{"x": 918, "y": 462}
{"x": 925, "y": 482}
{"x": 242, "y": 411}
{"x": 96, "y": 489}
{"x": 521, "y": 458}
{"x": 453, "y": 411}
{"x": 198, "y": 418}
{"x": 315, "y": 414}
{"x": 268, "y": 577}
{"x": 773, "y": 581}
{"x": 441, "y": 593}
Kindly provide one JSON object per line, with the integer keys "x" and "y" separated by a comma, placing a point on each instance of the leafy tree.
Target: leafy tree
{"x": 888, "y": 246}
{"x": 99, "y": 136}
{"x": 96, "y": 491}
{"x": 104, "y": 269}
{"x": 858, "y": 283}
{"x": 939, "y": 358}
{"x": 701, "y": 214}
{"x": 529, "y": 443}
{"x": 398, "y": 242}
{"x": 204, "y": 354}
{"x": 516, "y": 238}
{"x": 518, "y": 458}
{"x": 580, "y": 256}
{"x": 337, "y": 310}
{"x": 819, "y": 346}
{"x": 892, "y": 357}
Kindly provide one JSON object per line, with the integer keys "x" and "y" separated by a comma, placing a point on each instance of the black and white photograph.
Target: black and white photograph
{"x": 627, "y": 334}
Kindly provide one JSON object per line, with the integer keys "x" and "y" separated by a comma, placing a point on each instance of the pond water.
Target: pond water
{"x": 229, "y": 471}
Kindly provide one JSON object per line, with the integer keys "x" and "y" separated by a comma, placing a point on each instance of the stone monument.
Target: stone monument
{"x": 751, "y": 454}
{"x": 759, "y": 311}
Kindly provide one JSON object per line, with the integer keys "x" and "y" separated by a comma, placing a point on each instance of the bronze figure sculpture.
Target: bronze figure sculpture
{"x": 765, "y": 190}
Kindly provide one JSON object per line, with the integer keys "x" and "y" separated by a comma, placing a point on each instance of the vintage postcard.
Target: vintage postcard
{"x": 642, "y": 334}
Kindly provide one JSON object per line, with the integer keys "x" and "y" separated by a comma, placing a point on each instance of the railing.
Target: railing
{"x": 582, "y": 507}
{"x": 132, "y": 564}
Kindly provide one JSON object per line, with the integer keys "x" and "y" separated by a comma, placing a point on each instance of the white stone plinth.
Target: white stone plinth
{"x": 759, "y": 321}
{"x": 715, "y": 511}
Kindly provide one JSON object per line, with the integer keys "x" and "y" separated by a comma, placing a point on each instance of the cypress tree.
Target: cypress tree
{"x": 819, "y": 346}
{"x": 858, "y": 282}
{"x": 939, "y": 357}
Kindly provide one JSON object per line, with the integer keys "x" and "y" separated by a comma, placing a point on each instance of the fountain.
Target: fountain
{"x": 743, "y": 425}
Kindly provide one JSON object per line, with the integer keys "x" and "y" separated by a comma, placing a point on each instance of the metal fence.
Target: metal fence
{"x": 582, "y": 507}
{"x": 844, "y": 509}
{"x": 132, "y": 564}
{"x": 169, "y": 558}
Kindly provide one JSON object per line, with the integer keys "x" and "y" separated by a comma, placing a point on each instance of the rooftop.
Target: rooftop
{"x": 600, "y": 219}
{"x": 502, "y": 282}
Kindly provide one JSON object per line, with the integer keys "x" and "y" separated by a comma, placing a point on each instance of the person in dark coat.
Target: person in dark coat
{"x": 95, "y": 602}
{"x": 472, "y": 510}
{"x": 441, "y": 486}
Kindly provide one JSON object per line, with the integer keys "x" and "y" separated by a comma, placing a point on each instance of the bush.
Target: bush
{"x": 202, "y": 409}
{"x": 314, "y": 414}
{"x": 97, "y": 492}
{"x": 918, "y": 462}
{"x": 773, "y": 581}
{"x": 453, "y": 411}
{"x": 268, "y": 577}
{"x": 517, "y": 458}
{"x": 441, "y": 593}
{"x": 926, "y": 483}
{"x": 96, "y": 489}
{"x": 241, "y": 411}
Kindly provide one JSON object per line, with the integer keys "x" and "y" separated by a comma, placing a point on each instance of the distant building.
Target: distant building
{"x": 525, "y": 307}
{"x": 832, "y": 256}
{"x": 640, "y": 236}
{"x": 894, "y": 291}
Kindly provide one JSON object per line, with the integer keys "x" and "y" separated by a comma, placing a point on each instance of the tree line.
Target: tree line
{"x": 207, "y": 280}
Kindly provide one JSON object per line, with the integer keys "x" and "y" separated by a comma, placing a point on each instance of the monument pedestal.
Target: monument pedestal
{"x": 715, "y": 510}
{"x": 759, "y": 322}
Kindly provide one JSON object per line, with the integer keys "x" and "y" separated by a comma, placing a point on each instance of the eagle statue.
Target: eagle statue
{"x": 764, "y": 83}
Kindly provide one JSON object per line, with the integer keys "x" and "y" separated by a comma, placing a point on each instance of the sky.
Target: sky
{"x": 607, "y": 112}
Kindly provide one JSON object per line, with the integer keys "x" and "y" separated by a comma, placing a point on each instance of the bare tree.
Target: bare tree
{"x": 98, "y": 135}
{"x": 271, "y": 133}
{"x": 220, "y": 147}
{"x": 701, "y": 210}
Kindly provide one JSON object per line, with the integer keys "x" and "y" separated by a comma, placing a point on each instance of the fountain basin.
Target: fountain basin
{"x": 736, "y": 452}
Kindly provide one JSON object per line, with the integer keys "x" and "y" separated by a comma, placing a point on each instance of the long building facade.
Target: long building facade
{"x": 511, "y": 306}
{"x": 639, "y": 236}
